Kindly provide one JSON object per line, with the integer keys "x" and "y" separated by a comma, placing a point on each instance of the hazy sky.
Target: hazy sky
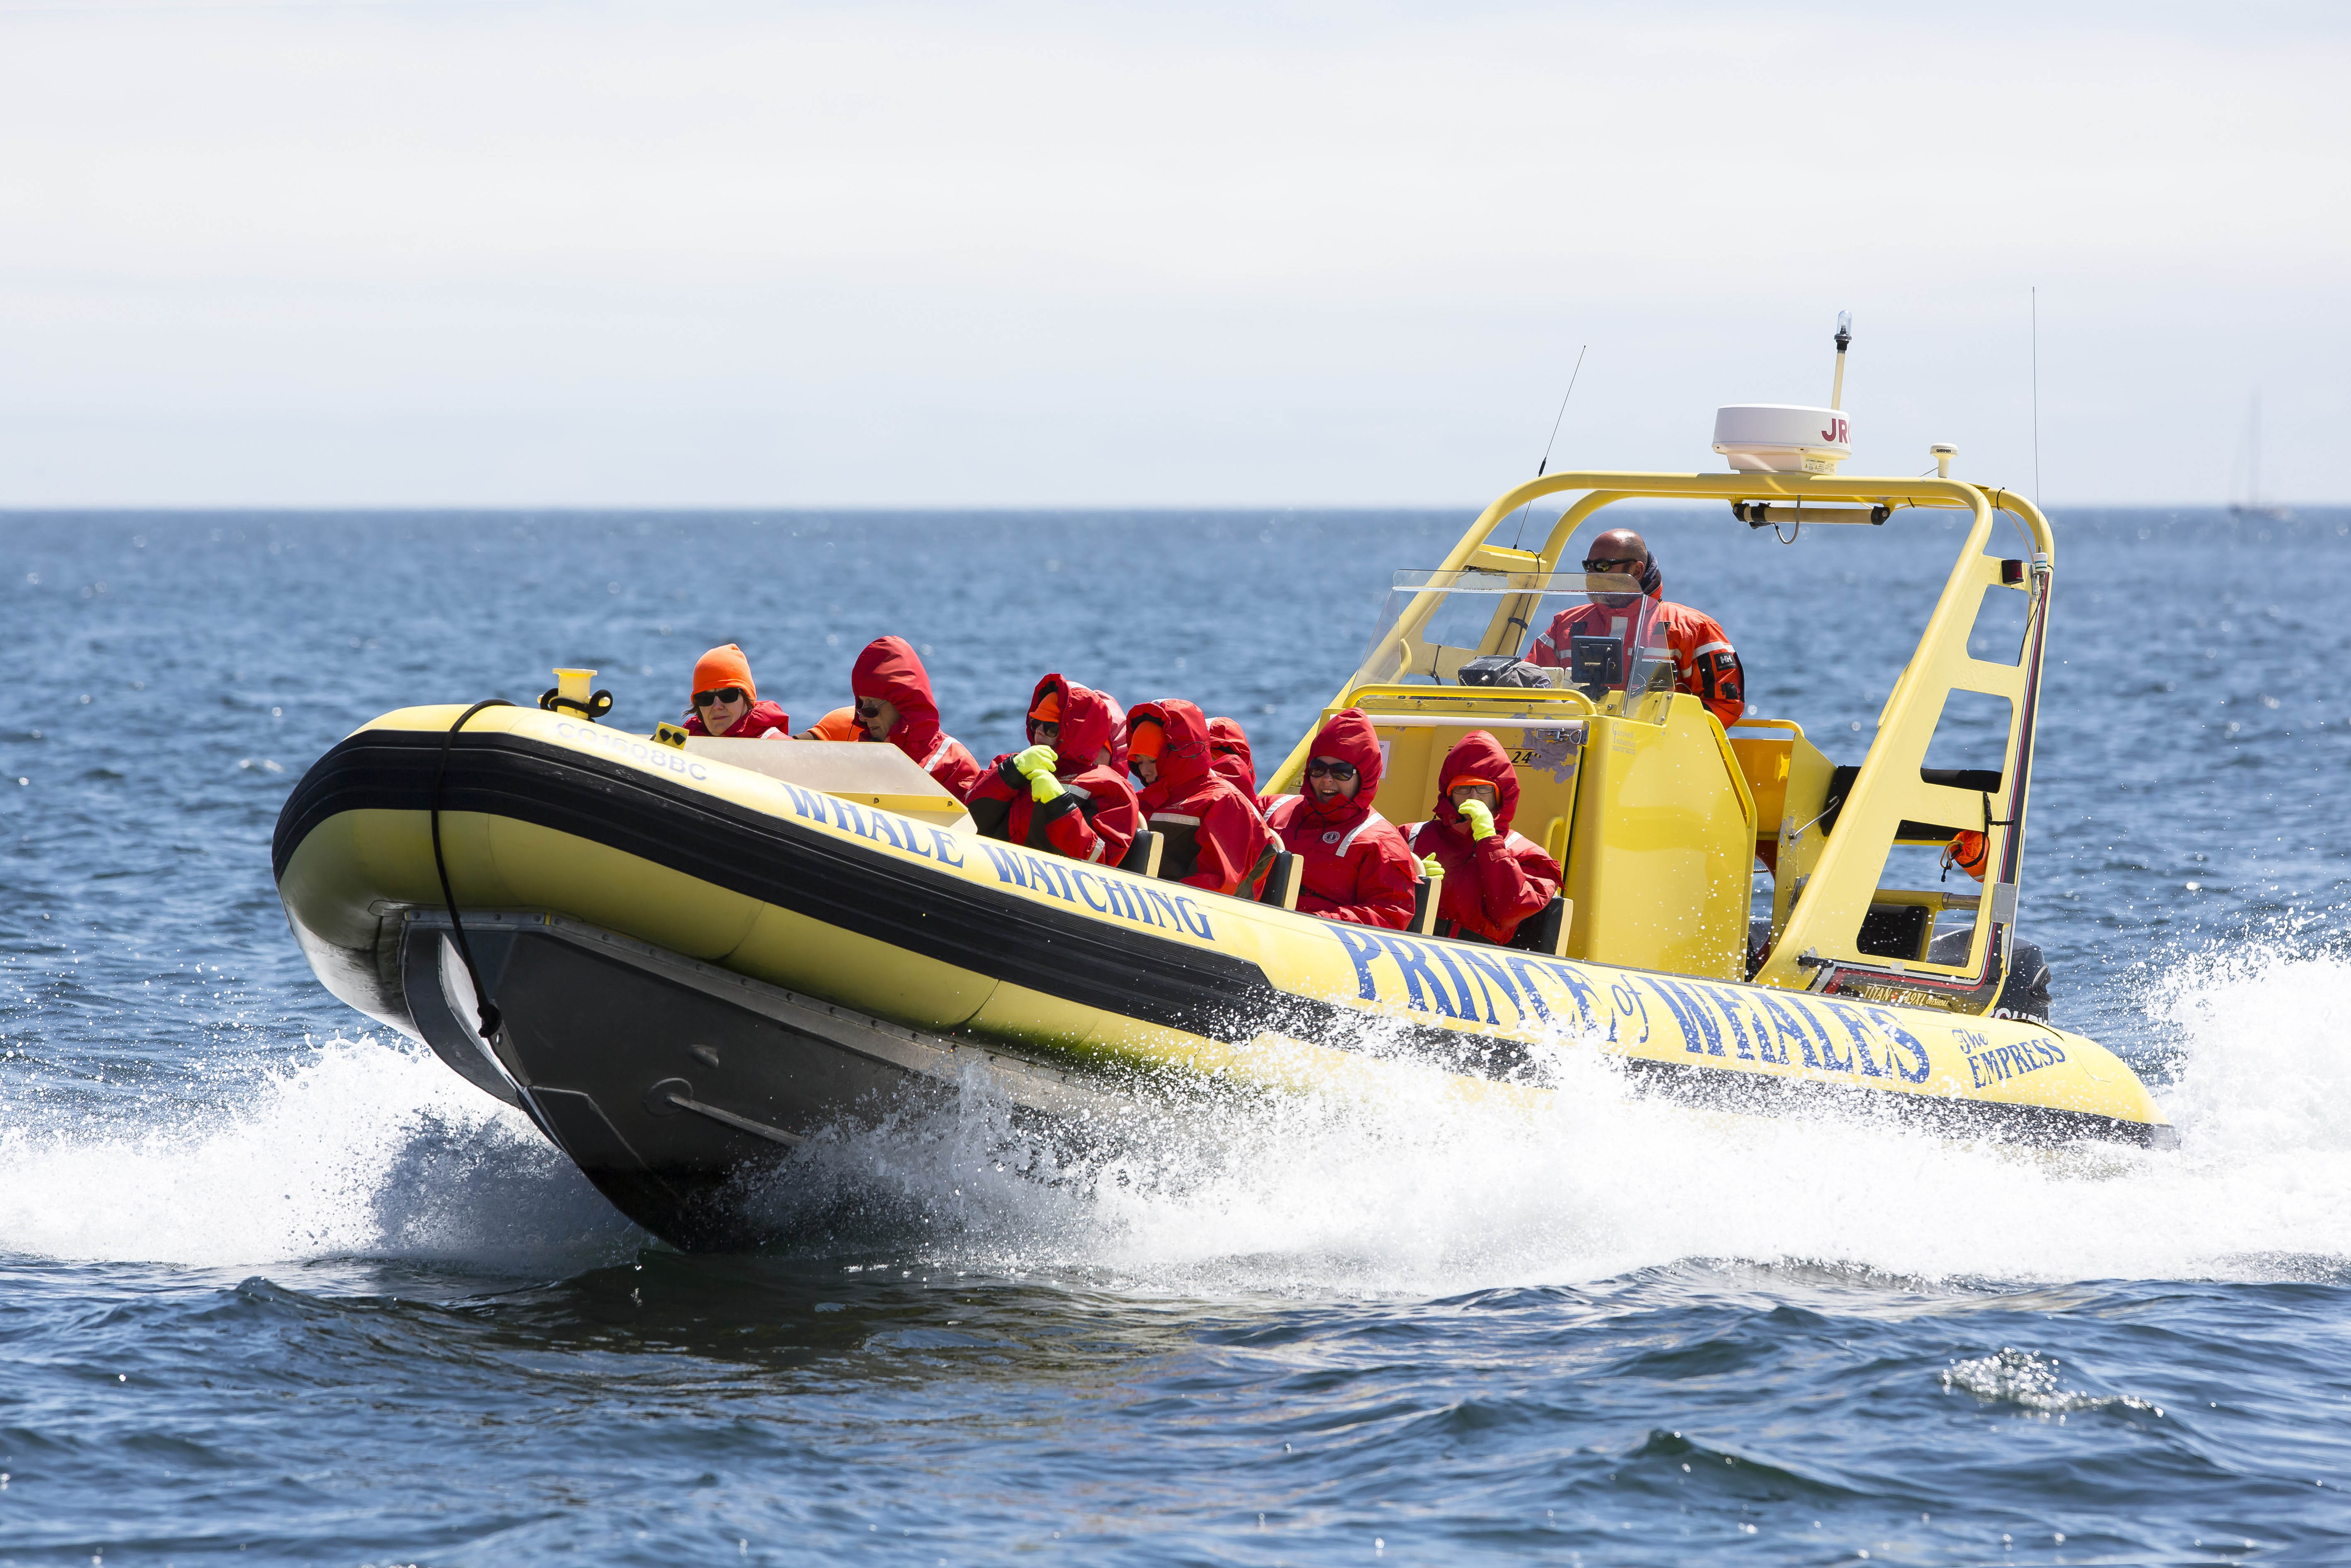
{"x": 1003, "y": 255}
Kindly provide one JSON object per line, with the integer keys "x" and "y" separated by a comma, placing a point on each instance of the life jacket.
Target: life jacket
{"x": 1704, "y": 663}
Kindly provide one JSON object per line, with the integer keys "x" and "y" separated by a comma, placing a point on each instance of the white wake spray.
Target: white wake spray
{"x": 371, "y": 1150}
{"x": 1409, "y": 1196}
{"x": 363, "y": 1151}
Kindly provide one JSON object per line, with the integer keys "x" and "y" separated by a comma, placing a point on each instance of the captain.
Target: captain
{"x": 1704, "y": 663}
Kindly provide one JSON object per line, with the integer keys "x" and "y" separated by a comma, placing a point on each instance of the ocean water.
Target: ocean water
{"x": 275, "y": 1287}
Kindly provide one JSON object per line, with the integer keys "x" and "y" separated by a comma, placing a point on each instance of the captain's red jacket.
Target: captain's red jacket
{"x": 1215, "y": 838}
{"x": 1704, "y": 663}
{"x": 1096, "y": 817}
{"x": 1353, "y": 862}
{"x": 1228, "y": 754}
{"x": 889, "y": 670}
{"x": 1490, "y": 884}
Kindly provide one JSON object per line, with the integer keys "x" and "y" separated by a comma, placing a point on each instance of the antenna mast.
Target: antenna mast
{"x": 1844, "y": 342}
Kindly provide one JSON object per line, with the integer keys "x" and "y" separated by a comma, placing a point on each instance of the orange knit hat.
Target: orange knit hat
{"x": 1048, "y": 711}
{"x": 1149, "y": 739}
{"x": 840, "y": 723}
{"x": 723, "y": 666}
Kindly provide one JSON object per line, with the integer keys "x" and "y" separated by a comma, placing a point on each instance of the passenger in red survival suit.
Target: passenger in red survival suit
{"x": 895, "y": 704}
{"x": 1061, "y": 793}
{"x": 1215, "y": 838}
{"x": 1493, "y": 878}
{"x": 1704, "y": 663}
{"x": 725, "y": 703}
{"x": 1353, "y": 863}
{"x": 1228, "y": 754}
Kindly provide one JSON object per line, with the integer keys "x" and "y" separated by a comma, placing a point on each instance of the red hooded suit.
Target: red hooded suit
{"x": 766, "y": 721}
{"x": 889, "y": 670}
{"x": 1215, "y": 838}
{"x": 1096, "y": 819}
{"x": 1490, "y": 884}
{"x": 1354, "y": 864}
{"x": 1228, "y": 754}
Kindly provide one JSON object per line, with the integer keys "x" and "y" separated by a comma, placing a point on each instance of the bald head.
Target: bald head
{"x": 1621, "y": 550}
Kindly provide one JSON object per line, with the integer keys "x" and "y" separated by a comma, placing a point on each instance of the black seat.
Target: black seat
{"x": 1895, "y": 931}
{"x": 1142, "y": 856}
{"x": 1546, "y": 932}
{"x": 1281, "y": 881}
{"x": 1425, "y": 894}
{"x": 1984, "y": 780}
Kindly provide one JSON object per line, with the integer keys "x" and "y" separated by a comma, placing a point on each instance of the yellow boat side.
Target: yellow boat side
{"x": 940, "y": 930}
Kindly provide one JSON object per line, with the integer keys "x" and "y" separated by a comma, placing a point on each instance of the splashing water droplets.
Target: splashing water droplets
{"x": 363, "y": 1150}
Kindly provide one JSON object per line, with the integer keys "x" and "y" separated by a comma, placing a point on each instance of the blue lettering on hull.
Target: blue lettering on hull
{"x": 1075, "y": 882}
{"x": 1713, "y": 1019}
{"x": 1993, "y": 1064}
{"x": 880, "y": 827}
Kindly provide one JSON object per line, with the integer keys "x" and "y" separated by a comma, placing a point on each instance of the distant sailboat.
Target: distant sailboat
{"x": 2253, "y": 506}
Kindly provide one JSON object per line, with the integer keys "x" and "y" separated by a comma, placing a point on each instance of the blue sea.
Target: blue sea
{"x": 276, "y": 1286}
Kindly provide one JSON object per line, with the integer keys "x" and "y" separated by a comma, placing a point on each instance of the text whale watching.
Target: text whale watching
{"x": 1534, "y": 822}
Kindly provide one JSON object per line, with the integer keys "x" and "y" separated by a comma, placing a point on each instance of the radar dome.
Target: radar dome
{"x": 1781, "y": 438}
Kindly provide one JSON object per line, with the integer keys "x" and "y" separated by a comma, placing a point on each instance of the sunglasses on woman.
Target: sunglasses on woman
{"x": 1321, "y": 767}
{"x": 723, "y": 695}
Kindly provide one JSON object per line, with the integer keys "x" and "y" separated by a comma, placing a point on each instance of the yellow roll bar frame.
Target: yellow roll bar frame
{"x": 1815, "y": 950}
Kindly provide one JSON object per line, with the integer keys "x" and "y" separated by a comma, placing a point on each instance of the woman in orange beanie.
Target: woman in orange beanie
{"x": 726, "y": 704}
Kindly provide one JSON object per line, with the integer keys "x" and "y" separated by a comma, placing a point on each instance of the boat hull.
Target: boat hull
{"x": 627, "y": 905}
{"x": 680, "y": 1089}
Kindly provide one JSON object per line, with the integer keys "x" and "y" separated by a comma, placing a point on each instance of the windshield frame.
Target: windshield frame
{"x": 1517, "y": 614}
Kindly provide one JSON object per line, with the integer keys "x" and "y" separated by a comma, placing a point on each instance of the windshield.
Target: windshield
{"x": 1596, "y": 633}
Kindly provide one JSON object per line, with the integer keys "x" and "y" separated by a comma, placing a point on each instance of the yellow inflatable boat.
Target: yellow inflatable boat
{"x": 682, "y": 961}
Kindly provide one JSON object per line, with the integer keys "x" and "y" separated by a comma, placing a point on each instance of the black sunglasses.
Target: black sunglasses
{"x": 1595, "y": 564}
{"x": 1320, "y": 767}
{"x": 868, "y": 707}
{"x": 723, "y": 695}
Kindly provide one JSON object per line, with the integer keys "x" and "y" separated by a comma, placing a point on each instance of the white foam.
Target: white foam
{"x": 368, "y": 1150}
{"x": 362, "y": 1151}
{"x": 1429, "y": 1198}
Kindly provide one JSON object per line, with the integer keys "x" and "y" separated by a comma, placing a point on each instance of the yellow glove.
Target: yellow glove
{"x": 1480, "y": 818}
{"x": 1431, "y": 866}
{"x": 1036, "y": 764}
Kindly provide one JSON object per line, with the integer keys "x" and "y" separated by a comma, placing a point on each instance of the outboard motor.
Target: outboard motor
{"x": 2024, "y": 994}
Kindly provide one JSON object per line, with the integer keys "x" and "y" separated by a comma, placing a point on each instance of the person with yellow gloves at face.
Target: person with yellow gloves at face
{"x": 1061, "y": 793}
{"x": 1494, "y": 879}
